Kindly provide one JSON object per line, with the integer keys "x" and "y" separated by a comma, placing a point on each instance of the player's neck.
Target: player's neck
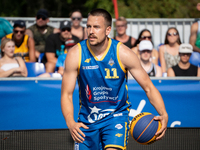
{"x": 100, "y": 48}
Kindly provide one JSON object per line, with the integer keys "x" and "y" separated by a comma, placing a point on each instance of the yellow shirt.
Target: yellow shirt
{"x": 22, "y": 50}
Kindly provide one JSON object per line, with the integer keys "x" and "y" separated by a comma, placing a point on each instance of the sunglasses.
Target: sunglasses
{"x": 76, "y": 18}
{"x": 66, "y": 29}
{"x": 174, "y": 34}
{"x": 146, "y": 37}
{"x": 146, "y": 51}
{"x": 21, "y": 32}
{"x": 182, "y": 54}
{"x": 43, "y": 18}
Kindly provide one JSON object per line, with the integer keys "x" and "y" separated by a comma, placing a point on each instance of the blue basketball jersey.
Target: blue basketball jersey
{"x": 102, "y": 84}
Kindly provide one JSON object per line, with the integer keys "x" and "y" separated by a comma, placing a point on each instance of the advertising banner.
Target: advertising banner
{"x": 35, "y": 104}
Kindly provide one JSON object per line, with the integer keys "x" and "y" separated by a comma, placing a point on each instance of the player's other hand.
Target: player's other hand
{"x": 163, "y": 119}
{"x": 76, "y": 133}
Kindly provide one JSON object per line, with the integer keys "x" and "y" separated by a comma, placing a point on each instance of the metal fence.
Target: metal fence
{"x": 158, "y": 27}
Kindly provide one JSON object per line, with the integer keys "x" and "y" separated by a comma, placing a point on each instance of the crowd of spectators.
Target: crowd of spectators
{"x": 49, "y": 45}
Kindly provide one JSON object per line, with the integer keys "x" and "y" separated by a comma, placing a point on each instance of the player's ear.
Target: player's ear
{"x": 108, "y": 29}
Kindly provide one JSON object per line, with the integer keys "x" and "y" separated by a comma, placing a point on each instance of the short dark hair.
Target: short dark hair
{"x": 103, "y": 13}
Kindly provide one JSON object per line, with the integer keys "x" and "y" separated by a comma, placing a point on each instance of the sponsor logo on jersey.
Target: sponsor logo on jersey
{"x": 118, "y": 135}
{"x": 88, "y": 60}
{"x": 100, "y": 95}
{"x": 111, "y": 62}
{"x": 91, "y": 67}
{"x": 118, "y": 126}
{"x": 97, "y": 114}
{"x": 88, "y": 93}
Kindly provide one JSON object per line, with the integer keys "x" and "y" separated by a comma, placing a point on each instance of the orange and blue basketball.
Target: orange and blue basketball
{"x": 143, "y": 128}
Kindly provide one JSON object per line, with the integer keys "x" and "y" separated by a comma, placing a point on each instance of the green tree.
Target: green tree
{"x": 126, "y": 8}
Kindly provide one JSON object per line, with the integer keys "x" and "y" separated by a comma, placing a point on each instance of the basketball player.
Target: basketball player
{"x": 101, "y": 65}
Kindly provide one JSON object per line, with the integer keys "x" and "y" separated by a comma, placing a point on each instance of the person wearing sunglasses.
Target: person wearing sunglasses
{"x": 24, "y": 45}
{"x": 77, "y": 29}
{"x": 152, "y": 69}
{"x": 40, "y": 31}
{"x": 145, "y": 34}
{"x": 58, "y": 44}
{"x": 169, "y": 52}
{"x": 121, "y": 26}
{"x": 184, "y": 67}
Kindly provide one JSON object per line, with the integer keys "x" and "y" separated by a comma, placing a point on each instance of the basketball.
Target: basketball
{"x": 143, "y": 128}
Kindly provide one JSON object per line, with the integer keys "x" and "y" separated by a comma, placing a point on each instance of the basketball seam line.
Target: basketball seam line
{"x": 144, "y": 129}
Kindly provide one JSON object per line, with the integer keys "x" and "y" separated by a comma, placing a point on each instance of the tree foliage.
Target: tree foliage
{"x": 126, "y": 8}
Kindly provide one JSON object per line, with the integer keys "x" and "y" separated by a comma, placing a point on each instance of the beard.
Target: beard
{"x": 97, "y": 43}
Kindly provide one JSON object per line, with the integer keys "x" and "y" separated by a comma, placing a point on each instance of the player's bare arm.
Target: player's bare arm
{"x": 193, "y": 36}
{"x": 68, "y": 85}
{"x": 132, "y": 63}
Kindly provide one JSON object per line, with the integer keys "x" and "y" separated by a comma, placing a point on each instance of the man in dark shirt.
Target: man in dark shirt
{"x": 121, "y": 26}
{"x": 184, "y": 68}
{"x": 40, "y": 31}
{"x": 58, "y": 44}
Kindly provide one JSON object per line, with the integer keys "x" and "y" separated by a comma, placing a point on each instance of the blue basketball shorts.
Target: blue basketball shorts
{"x": 111, "y": 133}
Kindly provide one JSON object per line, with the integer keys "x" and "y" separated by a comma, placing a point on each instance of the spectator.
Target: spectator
{"x": 40, "y": 31}
{"x": 145, "y": 34}
{"x": 121, "y": 26}
{"x": 24, "y": 45}
{"x": 195, "y": 39}
{"x": 11, "y": 66}
{"x": 169, "y": 52}
{"x": 145, "y": 49}
{"x": 57, "y": 44}
{"x": 5, "y": 28}
{"x": 184, "y": 68}
{"x": 77, "y": 29}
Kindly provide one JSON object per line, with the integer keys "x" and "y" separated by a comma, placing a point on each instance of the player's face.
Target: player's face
{"x": 97, "y": 30}
{"x": 145, "y": 55}
{"x": 9, "y": 49}
{"x": 121, "y": 27}
{"x": 18, "y": 33}
{"x": 184, "y": 57}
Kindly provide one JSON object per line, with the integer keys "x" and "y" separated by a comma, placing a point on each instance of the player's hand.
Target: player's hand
{"x": 163, "y": 120}
{"x": 76, "y": 133}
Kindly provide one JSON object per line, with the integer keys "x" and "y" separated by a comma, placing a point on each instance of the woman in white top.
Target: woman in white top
{"x": 11, "y": 66}
{"x": 169, "y": 52}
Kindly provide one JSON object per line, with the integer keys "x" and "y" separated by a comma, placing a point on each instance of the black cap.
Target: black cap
{"x": 43, "y": 12}
{"x": 19, "y": 23}
{"x": 65, "y": 24}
